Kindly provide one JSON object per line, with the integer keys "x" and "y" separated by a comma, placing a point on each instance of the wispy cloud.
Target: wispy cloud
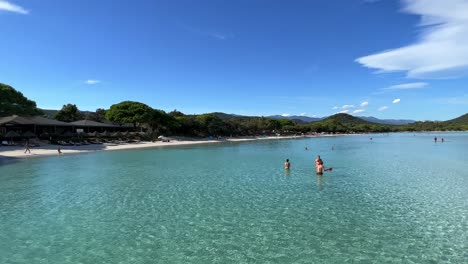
{"x": 456, "y": 100}
{"x": 358, "y": 111}
{"x": 406, "y": 86}
{"x": 7, "y": 6}
{"x": 207, "y": 32}
{"x": 442, "y": 48}
{"x": 396, "y": 101}
{"x": 383, "y": 108}
{"x": 220, "y": 36}
{"x": 335, "y": 107}
{"x": 286, "y": 115}
{"x": 91, "y": 82}
{"x": 364, "y": 104}
{"x": 347, "y": 106}
{"x": 302, "y": 114}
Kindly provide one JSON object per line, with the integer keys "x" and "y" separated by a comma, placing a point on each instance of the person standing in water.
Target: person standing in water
{"x": 435, "y": 139}
{"x": 318, "y": 160}
{"x": 442, "y": 140}
{"x": 287, "y": 164}
{"x": 320, "y": 168}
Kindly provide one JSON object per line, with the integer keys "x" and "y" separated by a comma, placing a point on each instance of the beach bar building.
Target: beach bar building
{"x": 36, "y": 124}
{"x": 89, "y": 126}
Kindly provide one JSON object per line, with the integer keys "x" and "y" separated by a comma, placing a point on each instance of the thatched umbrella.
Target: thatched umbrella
{"x": 12, "y": 134}
{"x": 29, "y": 134}
{"x": 68, "y": 134}
{"x": 116, "y": 134}
{"x": 104, "y": 134}
{"x": 93, "y": 134}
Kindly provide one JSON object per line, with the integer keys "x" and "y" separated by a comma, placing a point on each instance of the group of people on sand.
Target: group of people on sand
{"x": 320, "y": 168}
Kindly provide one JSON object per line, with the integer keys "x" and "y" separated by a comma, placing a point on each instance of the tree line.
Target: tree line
{"x": 213, "y": 124}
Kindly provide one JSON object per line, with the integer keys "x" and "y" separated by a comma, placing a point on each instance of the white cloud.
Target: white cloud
{"x": 442, "y": 48}
{"x": 302, "y": 114}
{"x": 405, "y": 86}
{"x": 347, "y": 106}
{"x": 335, "y": 107}
{"x": 286, "y": 115}
{"x": 91, "y": 82}
{"x": 396, "y": 101}
{"x": 358, "y": 111}
{"x": 364, "y": 104}
{"x": 383, "y": 108}
{"x": 7, "y": 6}
{"x": 343, "y": 112}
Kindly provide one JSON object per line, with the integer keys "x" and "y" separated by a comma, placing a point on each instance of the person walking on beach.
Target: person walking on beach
{"x": 27, "y": 147}
{"x": 59, "y": 151}
{"x": 287, "y": 164}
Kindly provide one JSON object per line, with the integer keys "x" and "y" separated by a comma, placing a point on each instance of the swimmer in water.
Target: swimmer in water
{"x": 287, "y": 164}
{"x": 320, "y": 168}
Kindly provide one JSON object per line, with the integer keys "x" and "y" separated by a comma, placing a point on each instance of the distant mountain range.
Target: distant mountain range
{"x": 371, "y": 119}
{"x": 305, "y": 119}
{"x": 387, "y": 121}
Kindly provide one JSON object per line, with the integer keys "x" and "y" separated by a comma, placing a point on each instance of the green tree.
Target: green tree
{"x": 99, "y": 115}
{"x": 129, "y": 112}
{"x": 13, "y": 102}
{"x": 161, "y": 122}
{"x": 69, "y": 113}
{"x": 212, "y": 125}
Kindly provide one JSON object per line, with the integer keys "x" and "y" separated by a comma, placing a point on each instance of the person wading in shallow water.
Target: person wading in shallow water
{"x": 318, "y": 160}
{"x": 320, "y": 168}
{"x": 287, "y": 164}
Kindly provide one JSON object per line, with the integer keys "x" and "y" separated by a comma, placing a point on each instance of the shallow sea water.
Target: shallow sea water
{"x": 399, "y": 198}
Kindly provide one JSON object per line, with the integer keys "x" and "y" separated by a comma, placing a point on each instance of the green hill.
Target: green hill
{"x": 461, "y": 120}
{"x": 346, "y": 119}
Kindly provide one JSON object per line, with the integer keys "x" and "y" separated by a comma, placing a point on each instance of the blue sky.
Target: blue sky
{"x": 388, "y": 59}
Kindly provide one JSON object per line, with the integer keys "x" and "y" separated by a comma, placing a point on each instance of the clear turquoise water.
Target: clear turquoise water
{"x": 399, "y": 198}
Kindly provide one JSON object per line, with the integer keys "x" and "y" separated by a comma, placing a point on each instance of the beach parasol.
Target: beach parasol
{"x": 93, "y": 134}
{"x": 29, "y": 134}
{"x": 12, "y": 134}
{"x": 116, "y": 134}
{"x": 68, "y": 134}
{"x": 104, "y": 134}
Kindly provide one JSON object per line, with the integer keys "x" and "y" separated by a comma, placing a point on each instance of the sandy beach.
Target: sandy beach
{"x": 52, "y": 150}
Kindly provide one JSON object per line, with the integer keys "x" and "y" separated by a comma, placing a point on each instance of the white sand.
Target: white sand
{"x": 48, "y": 150}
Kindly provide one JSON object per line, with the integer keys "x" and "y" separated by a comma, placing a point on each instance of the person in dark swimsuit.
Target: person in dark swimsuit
{"x": 287, "y": 164}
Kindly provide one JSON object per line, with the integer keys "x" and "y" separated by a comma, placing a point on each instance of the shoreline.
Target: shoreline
{"x": 45, "y": 150}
